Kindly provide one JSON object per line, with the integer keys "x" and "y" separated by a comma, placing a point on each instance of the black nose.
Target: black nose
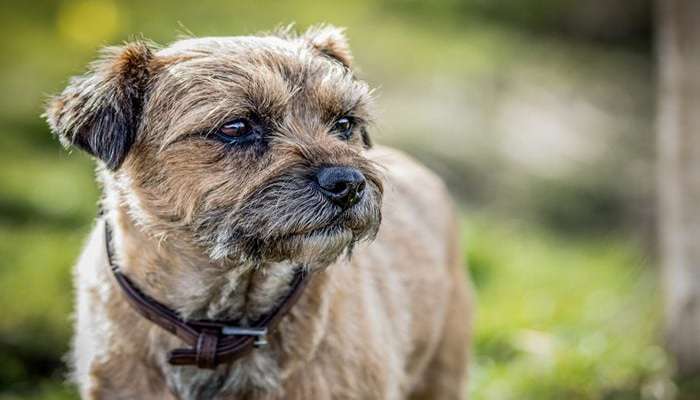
{"x": 343, "y": 186}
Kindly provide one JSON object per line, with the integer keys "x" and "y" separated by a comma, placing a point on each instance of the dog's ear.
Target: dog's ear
{"x": 99, "y": 111}
{"x": 330, "y": 41}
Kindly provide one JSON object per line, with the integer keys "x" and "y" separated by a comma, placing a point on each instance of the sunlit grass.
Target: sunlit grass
{"x": 562, "y": 318}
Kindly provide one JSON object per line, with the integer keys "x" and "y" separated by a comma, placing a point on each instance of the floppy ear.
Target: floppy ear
{"x": 99, "y": 111}
{"x": 330, "y": 41}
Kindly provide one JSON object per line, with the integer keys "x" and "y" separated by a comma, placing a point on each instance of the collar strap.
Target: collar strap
{"x": 211, "y": 342}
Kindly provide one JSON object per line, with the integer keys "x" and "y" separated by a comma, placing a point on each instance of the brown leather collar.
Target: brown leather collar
{"x": 211, "y": 342}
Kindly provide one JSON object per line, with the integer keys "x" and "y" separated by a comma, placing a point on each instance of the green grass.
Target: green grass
{"x": 47, "y": 203}
{"x": 563, "y": 318}
{"x": 44, "y": 390}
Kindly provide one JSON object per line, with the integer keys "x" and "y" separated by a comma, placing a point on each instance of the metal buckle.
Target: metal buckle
{"x": 259, "y": 333}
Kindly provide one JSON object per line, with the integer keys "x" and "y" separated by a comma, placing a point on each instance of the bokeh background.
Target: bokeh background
{"x": 538, "y": 113}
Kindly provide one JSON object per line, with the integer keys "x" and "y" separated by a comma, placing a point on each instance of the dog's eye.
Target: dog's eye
{"x": 343, "y": 128}
{"x": 236, "y": 128}
{"x": 239, "y": 130}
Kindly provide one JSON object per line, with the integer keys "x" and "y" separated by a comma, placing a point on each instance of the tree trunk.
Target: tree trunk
{"x": 679, "y": 176}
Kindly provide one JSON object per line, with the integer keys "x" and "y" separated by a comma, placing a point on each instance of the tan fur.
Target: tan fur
{"x": 215, "y": 231}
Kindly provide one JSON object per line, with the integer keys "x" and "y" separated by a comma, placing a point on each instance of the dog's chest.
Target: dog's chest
{"x": 258, "y": 372}
{"x": 245, "y": 299}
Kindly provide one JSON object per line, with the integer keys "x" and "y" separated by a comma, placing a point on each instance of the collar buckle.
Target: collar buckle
{"x": 260, "y": 334}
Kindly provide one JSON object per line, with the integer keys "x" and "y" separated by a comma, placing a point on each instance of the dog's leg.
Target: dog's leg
{"x": 446, "y": 374}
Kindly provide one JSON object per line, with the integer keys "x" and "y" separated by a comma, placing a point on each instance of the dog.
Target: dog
{"x": 235, "y": 171}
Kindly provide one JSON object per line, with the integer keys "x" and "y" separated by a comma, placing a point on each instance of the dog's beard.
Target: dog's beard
{"x": 288, "y": 220}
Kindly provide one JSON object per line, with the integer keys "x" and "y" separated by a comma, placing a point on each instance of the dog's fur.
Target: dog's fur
{"x": 213, "y": 230}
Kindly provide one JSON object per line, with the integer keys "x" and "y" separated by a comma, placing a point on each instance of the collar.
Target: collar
{"x": 211, "y": 342}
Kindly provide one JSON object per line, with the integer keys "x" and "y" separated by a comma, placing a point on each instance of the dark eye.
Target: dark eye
{"x": 235, "y": 129}
{"x": 343, "y": 127}
{"x": 238, "y": 131}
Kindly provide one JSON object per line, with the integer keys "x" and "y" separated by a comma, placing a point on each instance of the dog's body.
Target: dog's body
{"x": 216, "y": 230}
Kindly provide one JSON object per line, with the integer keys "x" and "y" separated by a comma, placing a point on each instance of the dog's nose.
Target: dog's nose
{"x": 343, "y": 186}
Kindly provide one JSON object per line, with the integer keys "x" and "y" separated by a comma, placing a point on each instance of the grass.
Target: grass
{"x": 563, "y": 318}
{"x": 40, "y": 237}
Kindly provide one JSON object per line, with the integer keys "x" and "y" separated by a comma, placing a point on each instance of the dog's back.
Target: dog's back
{"x": 427, "y": 250}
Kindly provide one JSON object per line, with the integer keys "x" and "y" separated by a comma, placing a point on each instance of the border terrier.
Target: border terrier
{"x": 228, "y": 165}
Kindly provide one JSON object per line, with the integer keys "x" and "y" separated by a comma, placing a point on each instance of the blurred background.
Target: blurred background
{"x": 538, "y": 113}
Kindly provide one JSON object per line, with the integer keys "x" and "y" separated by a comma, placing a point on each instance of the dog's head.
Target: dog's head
{"x": 250, "y": 148}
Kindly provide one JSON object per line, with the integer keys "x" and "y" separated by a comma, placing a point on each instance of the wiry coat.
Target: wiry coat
{"x": 215, "y": 230}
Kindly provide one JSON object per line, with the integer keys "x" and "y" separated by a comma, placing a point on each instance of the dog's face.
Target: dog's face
{"x": 249, "y": 148}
